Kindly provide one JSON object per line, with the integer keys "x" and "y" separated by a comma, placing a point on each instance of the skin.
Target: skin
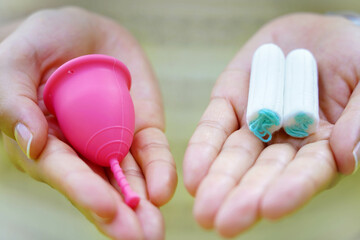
{"x": 29, "y": 52}
{"x": 235, "y": 178}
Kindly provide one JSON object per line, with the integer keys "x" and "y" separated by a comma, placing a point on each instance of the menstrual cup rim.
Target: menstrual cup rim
{"x": 75, "y": 63}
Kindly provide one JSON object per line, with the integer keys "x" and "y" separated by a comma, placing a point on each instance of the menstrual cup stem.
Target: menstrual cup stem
{"x": 131, "y": 198}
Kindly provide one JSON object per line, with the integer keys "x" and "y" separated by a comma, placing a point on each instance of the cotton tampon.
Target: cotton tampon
{"x": 266, "y": 91}
{"x": 301, "y": 97}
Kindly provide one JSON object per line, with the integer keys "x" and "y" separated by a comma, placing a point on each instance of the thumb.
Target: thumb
{"x": 20, "y": 116}
{"x": 345, "y": 137}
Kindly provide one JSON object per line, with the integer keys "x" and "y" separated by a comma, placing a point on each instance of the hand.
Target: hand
{"x": 28, "y": 56}
{"x": 235, "y": 178}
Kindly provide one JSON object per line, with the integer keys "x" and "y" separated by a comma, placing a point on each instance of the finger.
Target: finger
{"x": 152, "y": 150}
{"x": 20, "y": 116}
{"x": 241, "y": 208}
{"x": 312, "y": 170}
{"x": 237, "y": 155}
{"x": 217, "y": 123}
{"x": 133, "y": 175}
{"x": 151, "y": 221}
{"x": 345, "y": 137}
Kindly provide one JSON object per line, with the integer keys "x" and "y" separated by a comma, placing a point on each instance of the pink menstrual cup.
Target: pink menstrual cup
{"x": 90, "y": 98}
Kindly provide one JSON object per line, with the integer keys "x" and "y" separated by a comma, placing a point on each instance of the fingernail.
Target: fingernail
{"x": 23, "y": 137}
{"x": 356, "y": 154}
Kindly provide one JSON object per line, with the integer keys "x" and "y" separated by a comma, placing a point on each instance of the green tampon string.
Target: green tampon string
{"x": 265, "y": 120}
{"x": 299, "y": 129}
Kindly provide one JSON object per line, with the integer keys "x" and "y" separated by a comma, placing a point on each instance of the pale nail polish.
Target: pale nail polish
{"x": 356, "y": 154}
{"x": 24, "y": 137}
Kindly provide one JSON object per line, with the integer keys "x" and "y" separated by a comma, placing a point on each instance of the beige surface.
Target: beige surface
{"x": 189, "y": 43}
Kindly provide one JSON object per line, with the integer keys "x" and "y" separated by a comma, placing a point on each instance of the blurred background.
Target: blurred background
{"x": 189, "y": 44}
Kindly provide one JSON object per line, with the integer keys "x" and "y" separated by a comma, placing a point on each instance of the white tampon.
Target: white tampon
{"x": 266, "y": 91}
{"x": 301, "y": 97}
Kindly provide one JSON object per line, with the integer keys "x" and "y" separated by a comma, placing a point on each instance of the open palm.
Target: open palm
{"x": 28, "y": 56}
{"x": 237, "y": 179}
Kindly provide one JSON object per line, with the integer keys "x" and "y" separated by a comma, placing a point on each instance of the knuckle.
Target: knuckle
{"x": 217, "y": 174}
{"x": 245, "y": 150}
{"x": 204, "y": 145}
{"x": 133, "y": 173}
{"x": 147, "y": 146}
{"x": 214, "y": 125}
{"x": 161, "y": 161}
{"x": 148, "y": 139}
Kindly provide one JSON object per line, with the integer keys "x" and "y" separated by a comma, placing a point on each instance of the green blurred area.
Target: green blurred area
{"x": 189, "y": 44}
